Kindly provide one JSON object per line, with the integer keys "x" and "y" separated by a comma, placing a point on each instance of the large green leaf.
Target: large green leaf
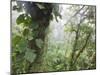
{"x": 20, "y": 19}
{"x": 30, "y": 56}
{"x": 16, "y": 40}
{"x": 25, "y": 19}
{"x": 26, "y": 32}
{"x": 39, "y": 43}
{"x": 22, "y": 46}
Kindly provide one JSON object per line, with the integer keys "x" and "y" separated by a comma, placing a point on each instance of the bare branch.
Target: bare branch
{"x": 82, "y": 48}
{"x": 75, "y": 43}
{"x": 75, "y": 14}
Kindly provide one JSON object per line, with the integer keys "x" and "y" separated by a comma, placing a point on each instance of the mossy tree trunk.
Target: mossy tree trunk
{"x": 42, "y": 19}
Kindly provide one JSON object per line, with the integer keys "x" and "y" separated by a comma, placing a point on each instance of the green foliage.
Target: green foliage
{"x": 26, "y": 32}
{"x": 23, "y": 19}
{"x": 16, "y": 40}
{"x": 69, "y": 28}
{"x": 22, "y": 56}
{"x": 30, "y": 56}
{"x": 86, "y": 28}
{"x": 56, "y": 55}
{"x": 39, "y": 43}
{"x": 20, "y": 19}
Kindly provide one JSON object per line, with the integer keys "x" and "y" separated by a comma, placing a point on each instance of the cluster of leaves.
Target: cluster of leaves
{"x": 22, "y": 55}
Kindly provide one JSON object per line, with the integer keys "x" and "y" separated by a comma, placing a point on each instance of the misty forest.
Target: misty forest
{"x": 52, "y": 37}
